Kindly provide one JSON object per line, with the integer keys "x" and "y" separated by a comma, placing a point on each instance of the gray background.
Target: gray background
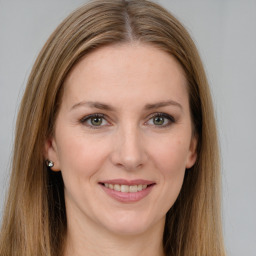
{"x": 225, "y": 33}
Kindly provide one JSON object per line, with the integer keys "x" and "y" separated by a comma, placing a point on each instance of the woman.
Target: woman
{"x": 116, "y": 149}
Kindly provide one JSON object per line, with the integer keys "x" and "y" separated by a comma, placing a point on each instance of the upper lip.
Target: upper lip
{"x": 128, "y": 182}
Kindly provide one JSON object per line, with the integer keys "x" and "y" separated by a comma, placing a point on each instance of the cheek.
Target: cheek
{"x": 80, "y": 156}
{"x": 170, "y": 160}
{"x": 170, "y": 156}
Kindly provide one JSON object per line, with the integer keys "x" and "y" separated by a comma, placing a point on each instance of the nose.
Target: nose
{"x": 128, "y": 149}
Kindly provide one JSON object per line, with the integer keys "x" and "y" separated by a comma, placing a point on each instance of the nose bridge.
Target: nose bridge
{"x": 129, "y": 150}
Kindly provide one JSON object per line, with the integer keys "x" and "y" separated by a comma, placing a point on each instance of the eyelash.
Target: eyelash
{"x": 170, "y": 120}
{"x": 87, "y": 118}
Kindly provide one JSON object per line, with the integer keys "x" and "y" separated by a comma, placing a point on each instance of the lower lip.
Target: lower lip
{"x": 128, "y": 197}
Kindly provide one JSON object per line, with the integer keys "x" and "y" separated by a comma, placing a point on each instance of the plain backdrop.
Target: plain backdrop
{"x": 225, "y": 33}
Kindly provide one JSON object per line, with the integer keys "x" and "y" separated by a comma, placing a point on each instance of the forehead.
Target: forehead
{"x": 128, "y": 71}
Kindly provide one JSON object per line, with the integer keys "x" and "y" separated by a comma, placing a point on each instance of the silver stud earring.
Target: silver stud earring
{"x": 49, "y": 163}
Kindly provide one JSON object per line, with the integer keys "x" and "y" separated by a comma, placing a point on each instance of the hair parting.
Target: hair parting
{"x": 34, "y": 221}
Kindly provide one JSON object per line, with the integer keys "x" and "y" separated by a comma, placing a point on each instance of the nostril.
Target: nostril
{"x": 128, "y": 150}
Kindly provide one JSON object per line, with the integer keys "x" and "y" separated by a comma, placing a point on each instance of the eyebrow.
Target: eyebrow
{"x": 104, "y": 106}
{"x": 93, "y": 104}
{"x": 163, "y": 104}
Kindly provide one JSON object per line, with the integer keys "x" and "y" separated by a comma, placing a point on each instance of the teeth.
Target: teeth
{"x": 139, "y": 187}
{"x": 133, "y": 189}
{"x": 117, "y": 187}
{"x": 125, "y": 188}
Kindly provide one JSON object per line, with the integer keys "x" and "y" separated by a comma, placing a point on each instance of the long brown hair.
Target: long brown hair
{"x": 34, "y": 221}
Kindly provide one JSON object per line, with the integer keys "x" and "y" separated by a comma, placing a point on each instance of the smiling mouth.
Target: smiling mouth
{"x": 127, "y": 191}
{"x": 126, "y": 188}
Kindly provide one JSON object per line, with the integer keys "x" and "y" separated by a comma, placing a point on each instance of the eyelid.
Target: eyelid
{"x": 170, "y": 118}
{"x": 84, "y": 119}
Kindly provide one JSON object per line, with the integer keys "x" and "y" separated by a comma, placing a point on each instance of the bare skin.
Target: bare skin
{"x": 124, "y": 122}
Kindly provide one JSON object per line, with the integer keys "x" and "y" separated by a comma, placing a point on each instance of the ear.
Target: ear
{"x": 51, "y": 153}
{"x": 192, "y": 155}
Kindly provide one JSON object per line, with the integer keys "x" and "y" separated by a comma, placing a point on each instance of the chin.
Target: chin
{"x": 132, "y": 223}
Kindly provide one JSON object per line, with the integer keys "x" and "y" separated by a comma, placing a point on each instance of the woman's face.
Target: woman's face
{"x": 124, "y": 124}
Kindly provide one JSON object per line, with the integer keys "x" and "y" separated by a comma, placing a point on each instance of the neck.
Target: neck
{"x": 82, "y": 240}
